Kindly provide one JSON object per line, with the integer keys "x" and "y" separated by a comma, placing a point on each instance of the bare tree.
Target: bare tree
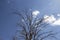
{"x": 31, "y": 28}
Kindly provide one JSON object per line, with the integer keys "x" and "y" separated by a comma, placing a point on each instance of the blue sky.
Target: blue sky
{"x": 8, "y": 21}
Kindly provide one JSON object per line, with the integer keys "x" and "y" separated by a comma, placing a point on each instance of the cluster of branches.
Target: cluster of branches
{"x": 31, "y": 28}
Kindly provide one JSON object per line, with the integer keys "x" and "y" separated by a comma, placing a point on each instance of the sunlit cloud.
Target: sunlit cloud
{"x": 57, "y": 22}
{"x": 49, "y": 19}
{"x": 52, "y": 20}
{"x": 35, "y": 13}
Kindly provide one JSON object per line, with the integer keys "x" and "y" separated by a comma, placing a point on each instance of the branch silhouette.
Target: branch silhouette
{"x": 32, "y": 27}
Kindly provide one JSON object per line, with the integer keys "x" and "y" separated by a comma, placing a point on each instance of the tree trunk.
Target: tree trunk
{"x": 30, "y": 36}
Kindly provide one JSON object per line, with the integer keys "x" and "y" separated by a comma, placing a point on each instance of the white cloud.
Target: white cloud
{"x": 57, "y": 22}
{"x": 49, "y": 19}
{"x": 58, "y": 14}
{"x": 52, "y": 20}
{"x": 35, "y": 13}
